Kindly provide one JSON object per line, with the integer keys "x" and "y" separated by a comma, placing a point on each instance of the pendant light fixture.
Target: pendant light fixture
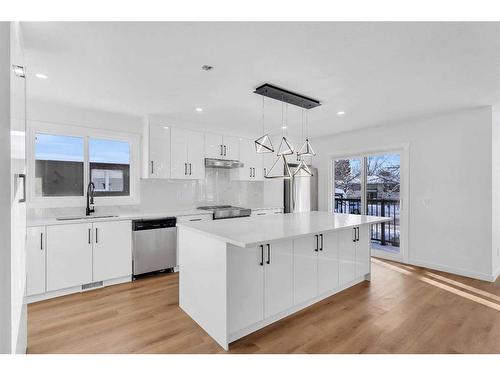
{"x": 306, "y": 149}
{"x": 286, "y": 148}
{"x": 280, "y": 169}
{"x": 263, "y": 144}
{"x": 302, "y": 169}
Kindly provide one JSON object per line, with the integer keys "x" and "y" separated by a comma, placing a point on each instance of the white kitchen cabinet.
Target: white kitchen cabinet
{"x": 328, "y": 262}
{"x": 245, "y": 287}
{"x": 252, "y": 163}
{"x": 278, "y": 277}
{"x": 187, "y": 154}
{"x": 347, "y": 256}
{"x": 305, "y": 269}
{"x": 266, "y": 212}
{"x": 112, "y": 250}
{"x": 69, "y": 255}
{"x": 363, "y": 251}
{"x": 218, "y": 146}
{"x": 36, "y": 252}
{"x": 159, "y": 151}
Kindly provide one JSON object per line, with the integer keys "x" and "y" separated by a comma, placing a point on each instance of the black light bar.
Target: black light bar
{"x": 286, "y": 96}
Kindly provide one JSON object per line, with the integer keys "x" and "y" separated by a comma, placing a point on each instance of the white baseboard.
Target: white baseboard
{"x": 75, "y": 289}
{"x": 496, "y": 274}
{"x": 457, "y": 271}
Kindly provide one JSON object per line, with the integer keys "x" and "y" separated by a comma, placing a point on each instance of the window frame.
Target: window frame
{"x": 86, "y": 133}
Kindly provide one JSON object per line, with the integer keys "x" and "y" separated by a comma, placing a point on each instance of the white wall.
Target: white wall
{"x": 496, "y": 191}
{"x": 450, "y": 185}
{"x": 5, "y": 305}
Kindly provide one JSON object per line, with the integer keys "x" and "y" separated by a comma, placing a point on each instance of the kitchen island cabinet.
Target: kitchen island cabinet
{"x": 241, "y": 275}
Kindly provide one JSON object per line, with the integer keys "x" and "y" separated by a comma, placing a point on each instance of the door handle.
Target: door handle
{"x": 41, "y": 241}
{"x": 317, "y": 242}
{"x": 23, "y": 177}
{"x": 321, "y": 246}
{"x": 224, "y": 150}
{"x": 152, "y": 169}
{"x": 96, "y": 235}
{"x": 268, "y": 254}
{"x": 261, "y": 255}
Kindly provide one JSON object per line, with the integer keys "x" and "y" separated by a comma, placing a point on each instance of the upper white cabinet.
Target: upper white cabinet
{"x": 252, "y": 163}
{"x": 187, "y": 154}
{"x": 36, "y": 252}
{"x": 219, "y": 146}
{"x": 156, "y": 151}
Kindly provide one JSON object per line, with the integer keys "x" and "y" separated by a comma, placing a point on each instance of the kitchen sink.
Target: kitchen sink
{"x": 85, "y": 217}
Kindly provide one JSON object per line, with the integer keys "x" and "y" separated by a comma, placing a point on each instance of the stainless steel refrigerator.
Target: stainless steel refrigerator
{"x": 301, "y": 193}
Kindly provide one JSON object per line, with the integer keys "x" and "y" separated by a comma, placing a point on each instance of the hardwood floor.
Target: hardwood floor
{"x": 404, "y": 309}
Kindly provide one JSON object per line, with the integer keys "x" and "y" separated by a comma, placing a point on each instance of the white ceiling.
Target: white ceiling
{"x": 375, "y": 72}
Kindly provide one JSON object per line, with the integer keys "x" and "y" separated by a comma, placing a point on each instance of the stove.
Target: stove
{"x": 227, "y": 212}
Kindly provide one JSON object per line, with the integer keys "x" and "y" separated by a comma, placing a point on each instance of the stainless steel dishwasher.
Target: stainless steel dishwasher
{"x": 154, "y": 245}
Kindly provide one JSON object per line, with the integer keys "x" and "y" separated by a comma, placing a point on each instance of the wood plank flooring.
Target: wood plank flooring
{"x": 404, "y": 309}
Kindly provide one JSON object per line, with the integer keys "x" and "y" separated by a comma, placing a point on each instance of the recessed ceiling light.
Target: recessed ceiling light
{"x": 283, "y": 127}
{"x": 198, "y": 109}
{"x": 340, "y": 113}
{"x": 165, "y": 127}
{"x": 207, "y": 67}
{"x": 41, "y": 76}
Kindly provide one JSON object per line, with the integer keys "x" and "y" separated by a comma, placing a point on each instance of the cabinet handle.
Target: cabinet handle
{"x": 268, "y": 254}
{"x": 185, "y": 169}
{"x": 250, "y": 171}
{"x": 262, "y": 213}
{"x": 199, "y": 219}
{"x": 23, "y": 177}
{"x": 152, "y": 169}
{"x": 190, "y": 168}
{"x": 354, "y": 232}
{"x": 321, "y": 247}
{"x": 89, "y": 235}
{"x": 224, "y": 150}
{"x": 41, "y": 241}
{"x": 96, "y": 235}
{"x": 317, "y": 242}
{"x": 221, "y": 151}
{"x": 261, "y": 255}
{"x": 357, "y": 235}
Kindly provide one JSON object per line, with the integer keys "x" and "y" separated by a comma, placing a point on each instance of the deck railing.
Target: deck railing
{"x": 384, "y": 233}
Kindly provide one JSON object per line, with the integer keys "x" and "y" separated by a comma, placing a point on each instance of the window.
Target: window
{"x": 109, "y": 163}
{"x": 59, "y": 162}
{"x": 63, "y": 159}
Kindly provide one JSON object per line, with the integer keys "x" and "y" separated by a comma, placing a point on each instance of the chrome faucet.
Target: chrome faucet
{"x": 90, "y": 199}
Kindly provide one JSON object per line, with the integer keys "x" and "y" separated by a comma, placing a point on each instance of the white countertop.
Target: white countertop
{"x": 121, "y": 215}
{"x": 252, "y": 231}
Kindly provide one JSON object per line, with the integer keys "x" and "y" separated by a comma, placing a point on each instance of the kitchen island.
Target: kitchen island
{"x": 239, "y": 275}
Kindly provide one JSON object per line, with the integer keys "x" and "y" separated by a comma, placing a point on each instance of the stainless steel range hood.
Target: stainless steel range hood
{"x": 221, "y": 163}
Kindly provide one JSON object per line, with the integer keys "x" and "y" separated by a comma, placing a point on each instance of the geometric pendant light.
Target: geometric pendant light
{"x": 280, "y": 169}
{"x": 302, "y": 170}
{"x": 306, "y": 149}
{"x": 263, "y": 144}
{"x": 285, "y": 148}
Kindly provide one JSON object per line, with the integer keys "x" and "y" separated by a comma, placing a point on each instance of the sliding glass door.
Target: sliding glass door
{"x": 371, "y": 184}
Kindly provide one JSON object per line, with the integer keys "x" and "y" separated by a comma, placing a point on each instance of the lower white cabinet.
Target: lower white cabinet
{"x": 245, "y": 287}
{"x": 278, "y": 277}
{"x": 363, "y": 251}
{"x": 259, "y": 282}
{"x": 328, "y": 262}
{"x": 69, "y": 255}
{"x": 112, "y": 250}
{"x": 36, "y": 252}
{"x": 305, "y": 269}
{"x": 347, "y": 255}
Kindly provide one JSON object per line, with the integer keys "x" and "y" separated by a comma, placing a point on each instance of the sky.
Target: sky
{"x": 66, "y": 148}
